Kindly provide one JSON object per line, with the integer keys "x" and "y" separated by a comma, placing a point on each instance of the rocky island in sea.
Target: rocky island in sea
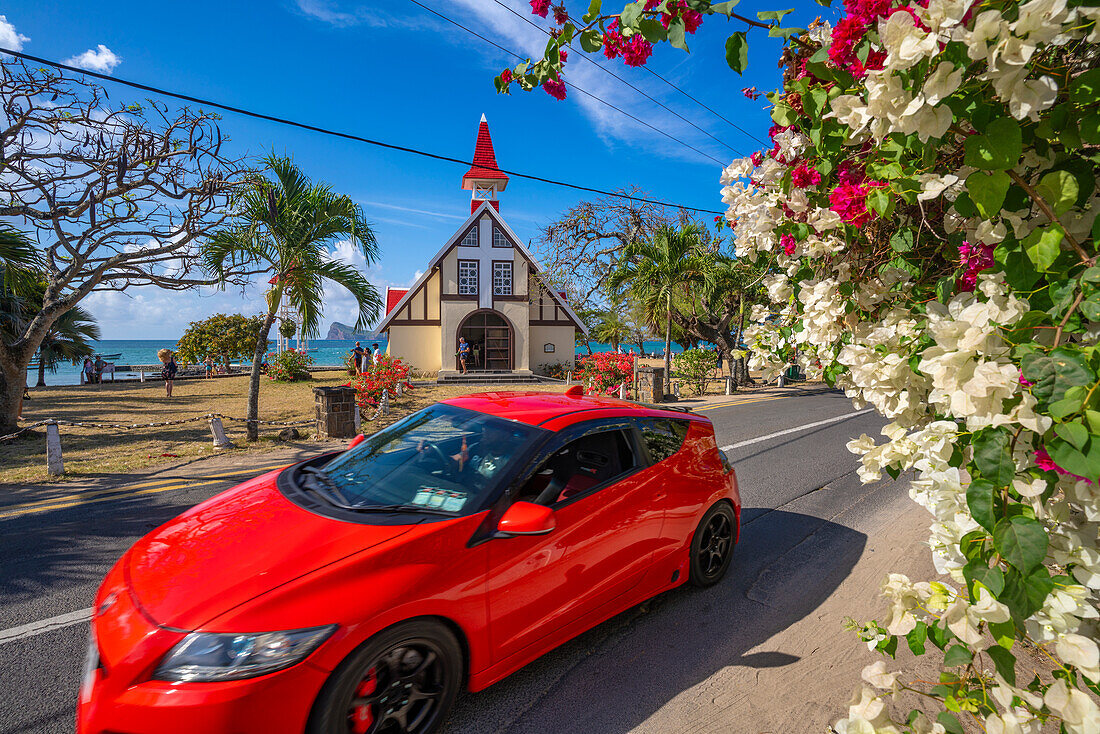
{"x": 343, "y": 331}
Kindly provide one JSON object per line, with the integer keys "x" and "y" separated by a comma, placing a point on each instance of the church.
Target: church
{"x": 484, "y": 285}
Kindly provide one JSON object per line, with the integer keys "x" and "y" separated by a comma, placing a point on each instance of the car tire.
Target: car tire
{"x": 379, "y": 683}
{"x": 712, "y": 545}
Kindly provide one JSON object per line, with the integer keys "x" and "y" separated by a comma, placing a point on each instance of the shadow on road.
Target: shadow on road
{"x": 616, "y": 676}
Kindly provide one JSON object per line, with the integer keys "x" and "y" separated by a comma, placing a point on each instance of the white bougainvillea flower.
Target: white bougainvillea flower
{"x": 1080, "y": 652}
{"x": 1016, "y": 721}
{"x": 988, "y": 26}
{"x": 932, "y": 185}
{"x": 1032, "y": 97}
{"x": 876, "y": 675}
{"x": 1078, "y": 711}
{"x": 905, "y": 44}
{"x": 942, "y": 83}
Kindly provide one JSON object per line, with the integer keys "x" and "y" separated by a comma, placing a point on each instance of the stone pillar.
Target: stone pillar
{"x": 55, "y": 466}
{"x": 651, "y": 384}
{"x": 335, "y": 411}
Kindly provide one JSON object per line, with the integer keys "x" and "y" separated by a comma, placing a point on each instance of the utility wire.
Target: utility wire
{"x": 604, "y": 69}
{"x": 733, "y": 124}
{"x": 579, "y": 89}
{"x": 335, "y": 133}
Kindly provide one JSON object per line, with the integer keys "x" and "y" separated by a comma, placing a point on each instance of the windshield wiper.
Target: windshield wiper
{"x": 322, "y": 484}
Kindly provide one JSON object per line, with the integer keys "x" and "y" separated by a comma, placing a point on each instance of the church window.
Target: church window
{"x": 467, "y": 277}
{"x": 470, "y": 240}
{"x": 499, "y": 240}
{"x": 502, "y": 279}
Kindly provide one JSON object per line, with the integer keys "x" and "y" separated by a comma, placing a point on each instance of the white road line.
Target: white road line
{"x": 796, "y": 429}
{"x": 44, "y": 625}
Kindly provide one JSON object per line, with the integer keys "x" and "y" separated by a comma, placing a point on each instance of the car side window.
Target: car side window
{"x": 580, "y": 465}
{"x": 663, "y": 437}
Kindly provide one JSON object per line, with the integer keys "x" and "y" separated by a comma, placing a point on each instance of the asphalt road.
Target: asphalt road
{"x": 797, "y": 544}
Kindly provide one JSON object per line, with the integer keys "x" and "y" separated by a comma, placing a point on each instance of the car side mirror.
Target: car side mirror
{"x": 525, "y": 518}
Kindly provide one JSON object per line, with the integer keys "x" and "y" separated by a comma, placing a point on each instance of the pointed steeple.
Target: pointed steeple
{"x": 484, "y": 178}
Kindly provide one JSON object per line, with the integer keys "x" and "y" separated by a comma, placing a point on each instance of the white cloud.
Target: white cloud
{"x": 9, "y": 37}
{"x": 327, "y": 11}
{"x": 103, "y": 60}
{"x": 344, "y": 15}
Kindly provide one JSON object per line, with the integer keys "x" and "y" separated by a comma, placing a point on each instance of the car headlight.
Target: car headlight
{"x": 208, "y": 656}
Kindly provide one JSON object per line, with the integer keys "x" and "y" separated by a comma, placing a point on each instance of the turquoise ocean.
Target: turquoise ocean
{"x": 325, "y": 352}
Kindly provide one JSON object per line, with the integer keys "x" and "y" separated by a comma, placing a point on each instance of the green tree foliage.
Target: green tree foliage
{"x": 286, "y": 224}
{"x": 222, "y": 337}
{"x": 68, "y": 340}
{"x": 694, "y": 366}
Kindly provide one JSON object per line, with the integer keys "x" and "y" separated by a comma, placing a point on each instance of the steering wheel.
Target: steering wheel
{"x": 446, "y": 463}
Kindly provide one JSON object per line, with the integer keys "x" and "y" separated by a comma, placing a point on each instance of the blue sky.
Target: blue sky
{"x": 394, "y": 72}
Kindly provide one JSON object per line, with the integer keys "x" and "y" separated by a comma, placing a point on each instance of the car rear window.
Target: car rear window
{"x": 663, "y": 436}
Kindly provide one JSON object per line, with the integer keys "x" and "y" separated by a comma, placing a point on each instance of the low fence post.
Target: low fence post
{"x": 141, "y": 375}
{"x": 622, "y": 391}
{"x": 569, "y": 377}
{"x": 221, "y": 441}
{"x": 400, "y": 389}
{"x": 55, "y": 466}
{"x": 385, "y": 402}
{"x": 676, "y": 389}
{"x": 729, "y": 384}
{"x": 358, "y": 419}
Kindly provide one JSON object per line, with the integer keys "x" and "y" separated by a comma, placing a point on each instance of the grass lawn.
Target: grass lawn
{"x": 90, "y": 452}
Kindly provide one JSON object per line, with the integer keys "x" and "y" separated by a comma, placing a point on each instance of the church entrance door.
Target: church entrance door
{"x": 490, "y": 338}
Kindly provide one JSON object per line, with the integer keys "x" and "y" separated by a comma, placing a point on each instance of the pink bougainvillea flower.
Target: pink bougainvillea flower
{"x": 757, "y": 158}
{"x": 1044, "y": 462}
{"x": 563, "y": 55}
{"x": 850, "y": 173}
{"x": 636, "y": 51}
{"x": 973, "y": 259}
{"x": 788, "y": 244}
{"x": 540, "y": 7}
{"x": 1024, "y": 381}
{"x": 506, "y": 76}
{"x": 849, "y": 200}
{"x": 555, "y": 88}
{"x": 803, "y": 176}
{"x": 751, "y": 92}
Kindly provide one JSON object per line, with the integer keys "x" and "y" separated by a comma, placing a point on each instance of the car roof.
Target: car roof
{"x": 536, "y": 408}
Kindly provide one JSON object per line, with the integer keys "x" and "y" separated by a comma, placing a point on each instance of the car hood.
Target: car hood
{"x": 235, "y": 547}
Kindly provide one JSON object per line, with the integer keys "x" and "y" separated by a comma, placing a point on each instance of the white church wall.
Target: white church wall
{"x": 563, "y": 339}
{"x": 416, "y": 345}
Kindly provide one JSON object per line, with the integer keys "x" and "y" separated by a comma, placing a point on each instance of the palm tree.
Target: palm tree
{"x": 68, "y": 339}
{"x": 658, "y": 270}
{"x": 286, "y": 225}
{"x": 612, "y": 328}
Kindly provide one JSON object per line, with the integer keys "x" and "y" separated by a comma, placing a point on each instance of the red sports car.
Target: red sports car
{"x": 359, "y": 591}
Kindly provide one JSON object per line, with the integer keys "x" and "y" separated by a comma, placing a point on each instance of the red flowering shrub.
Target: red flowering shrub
{"x": 605, "y": 371}
{"x": 384, "y": 374}
{"x": 555, "y": 88}
{"x": 288, "y": 366}
{"x": 540, "y": 7}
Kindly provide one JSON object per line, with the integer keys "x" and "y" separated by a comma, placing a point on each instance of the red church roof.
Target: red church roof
{"x": 393, "y": 295}
{"x": 485, "y": 160}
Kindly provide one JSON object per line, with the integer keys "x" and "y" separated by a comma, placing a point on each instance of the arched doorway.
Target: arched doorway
{"x": 490, "y": 338}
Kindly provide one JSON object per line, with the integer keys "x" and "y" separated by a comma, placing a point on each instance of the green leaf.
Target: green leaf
{"x": 1024, "y": 595}
{"x": 591, "y": 41}
{"x": 957, "y": 655}
{"x": 676, "y": 34}
{"x": 973, "y": 543}
{"x": 917, "y": 637}
{"x": 987, "y": 191}
{"x": 629, "y": 17}
{"x": 1085, "y": 89}
{"x": 902, "y": 240}
{"x": 939, "y": 636}
{"x": 824, "y": 3}
{"x": 1089, "y": 128}
{"x": 737, "y": 54}
{"x": 879, "y": 200}
{"x": 593, "y": 11}
{"x": 999, "y": 148}
{"x": 979, "y": 498}
{"x": 652, "y": 29}
{"x": 977, "y": 571}
{"x": 1082, "y": 462}
{"x": 1018, "y": 268}
{"x": 1059, "y": 189}
{"x": 1075, "y": 433}
{"x": 1005, "y": 663}
{"x": 814, "y": 102}
{"x": 1053, "y": 375}
{"x": 945, "y": 288}
{"x": 1022, "y": 541}
{"x": 992, "y": 455}
{"x": 1043, "y": 246}
{"x": 724, "y": 8}
{"x": 1004, "y": 633}
{"x": 950, "y": 724}
{"x": 774, "y": 15}
{"x": 1093, "y": 417}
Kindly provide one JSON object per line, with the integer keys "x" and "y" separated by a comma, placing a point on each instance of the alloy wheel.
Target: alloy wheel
{"x": 717, "y": 540}
{"x": 401, "y": 691}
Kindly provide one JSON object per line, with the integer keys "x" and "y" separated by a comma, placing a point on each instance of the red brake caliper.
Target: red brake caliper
{"x": 361, "y": 716}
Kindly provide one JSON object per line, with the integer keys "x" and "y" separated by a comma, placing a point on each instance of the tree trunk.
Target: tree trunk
{"x": 254, "y": 380}
{"x": 41, "y": 373}
{"x": 11, "y": 394}
{"x": 668, "y": 347}
{"x": 641, "y": 347}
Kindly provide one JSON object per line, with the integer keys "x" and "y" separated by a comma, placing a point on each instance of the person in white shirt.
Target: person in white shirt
{"x": 376, "y": 354}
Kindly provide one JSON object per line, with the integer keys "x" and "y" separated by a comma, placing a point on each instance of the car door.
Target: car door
{"x": 606, "y": 527}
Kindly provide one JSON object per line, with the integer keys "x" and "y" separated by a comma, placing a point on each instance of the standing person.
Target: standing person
{"x": 375, "y": 354}
{"x": 89, "y": 371}
{"x": 99, "y": 365}
{"x": 358, "y": 354}
{"x": 168, "y": 372}
{"x": 209, "y": 364}
{"x": 463, "y": 353}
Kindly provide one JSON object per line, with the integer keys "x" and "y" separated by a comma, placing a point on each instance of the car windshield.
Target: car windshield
{"x": 440, "y": 459}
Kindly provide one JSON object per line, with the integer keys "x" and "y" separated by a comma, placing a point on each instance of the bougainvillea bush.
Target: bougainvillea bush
{"x": 384, "y": 374}
{"x": 694, "y": 367}
{"x": 288, "y": 366}
{"x": 929, "y": 211}
{"x": 605, "y": 371}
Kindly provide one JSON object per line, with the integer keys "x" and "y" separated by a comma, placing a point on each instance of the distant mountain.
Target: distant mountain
{"x": 343, "y": 331}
